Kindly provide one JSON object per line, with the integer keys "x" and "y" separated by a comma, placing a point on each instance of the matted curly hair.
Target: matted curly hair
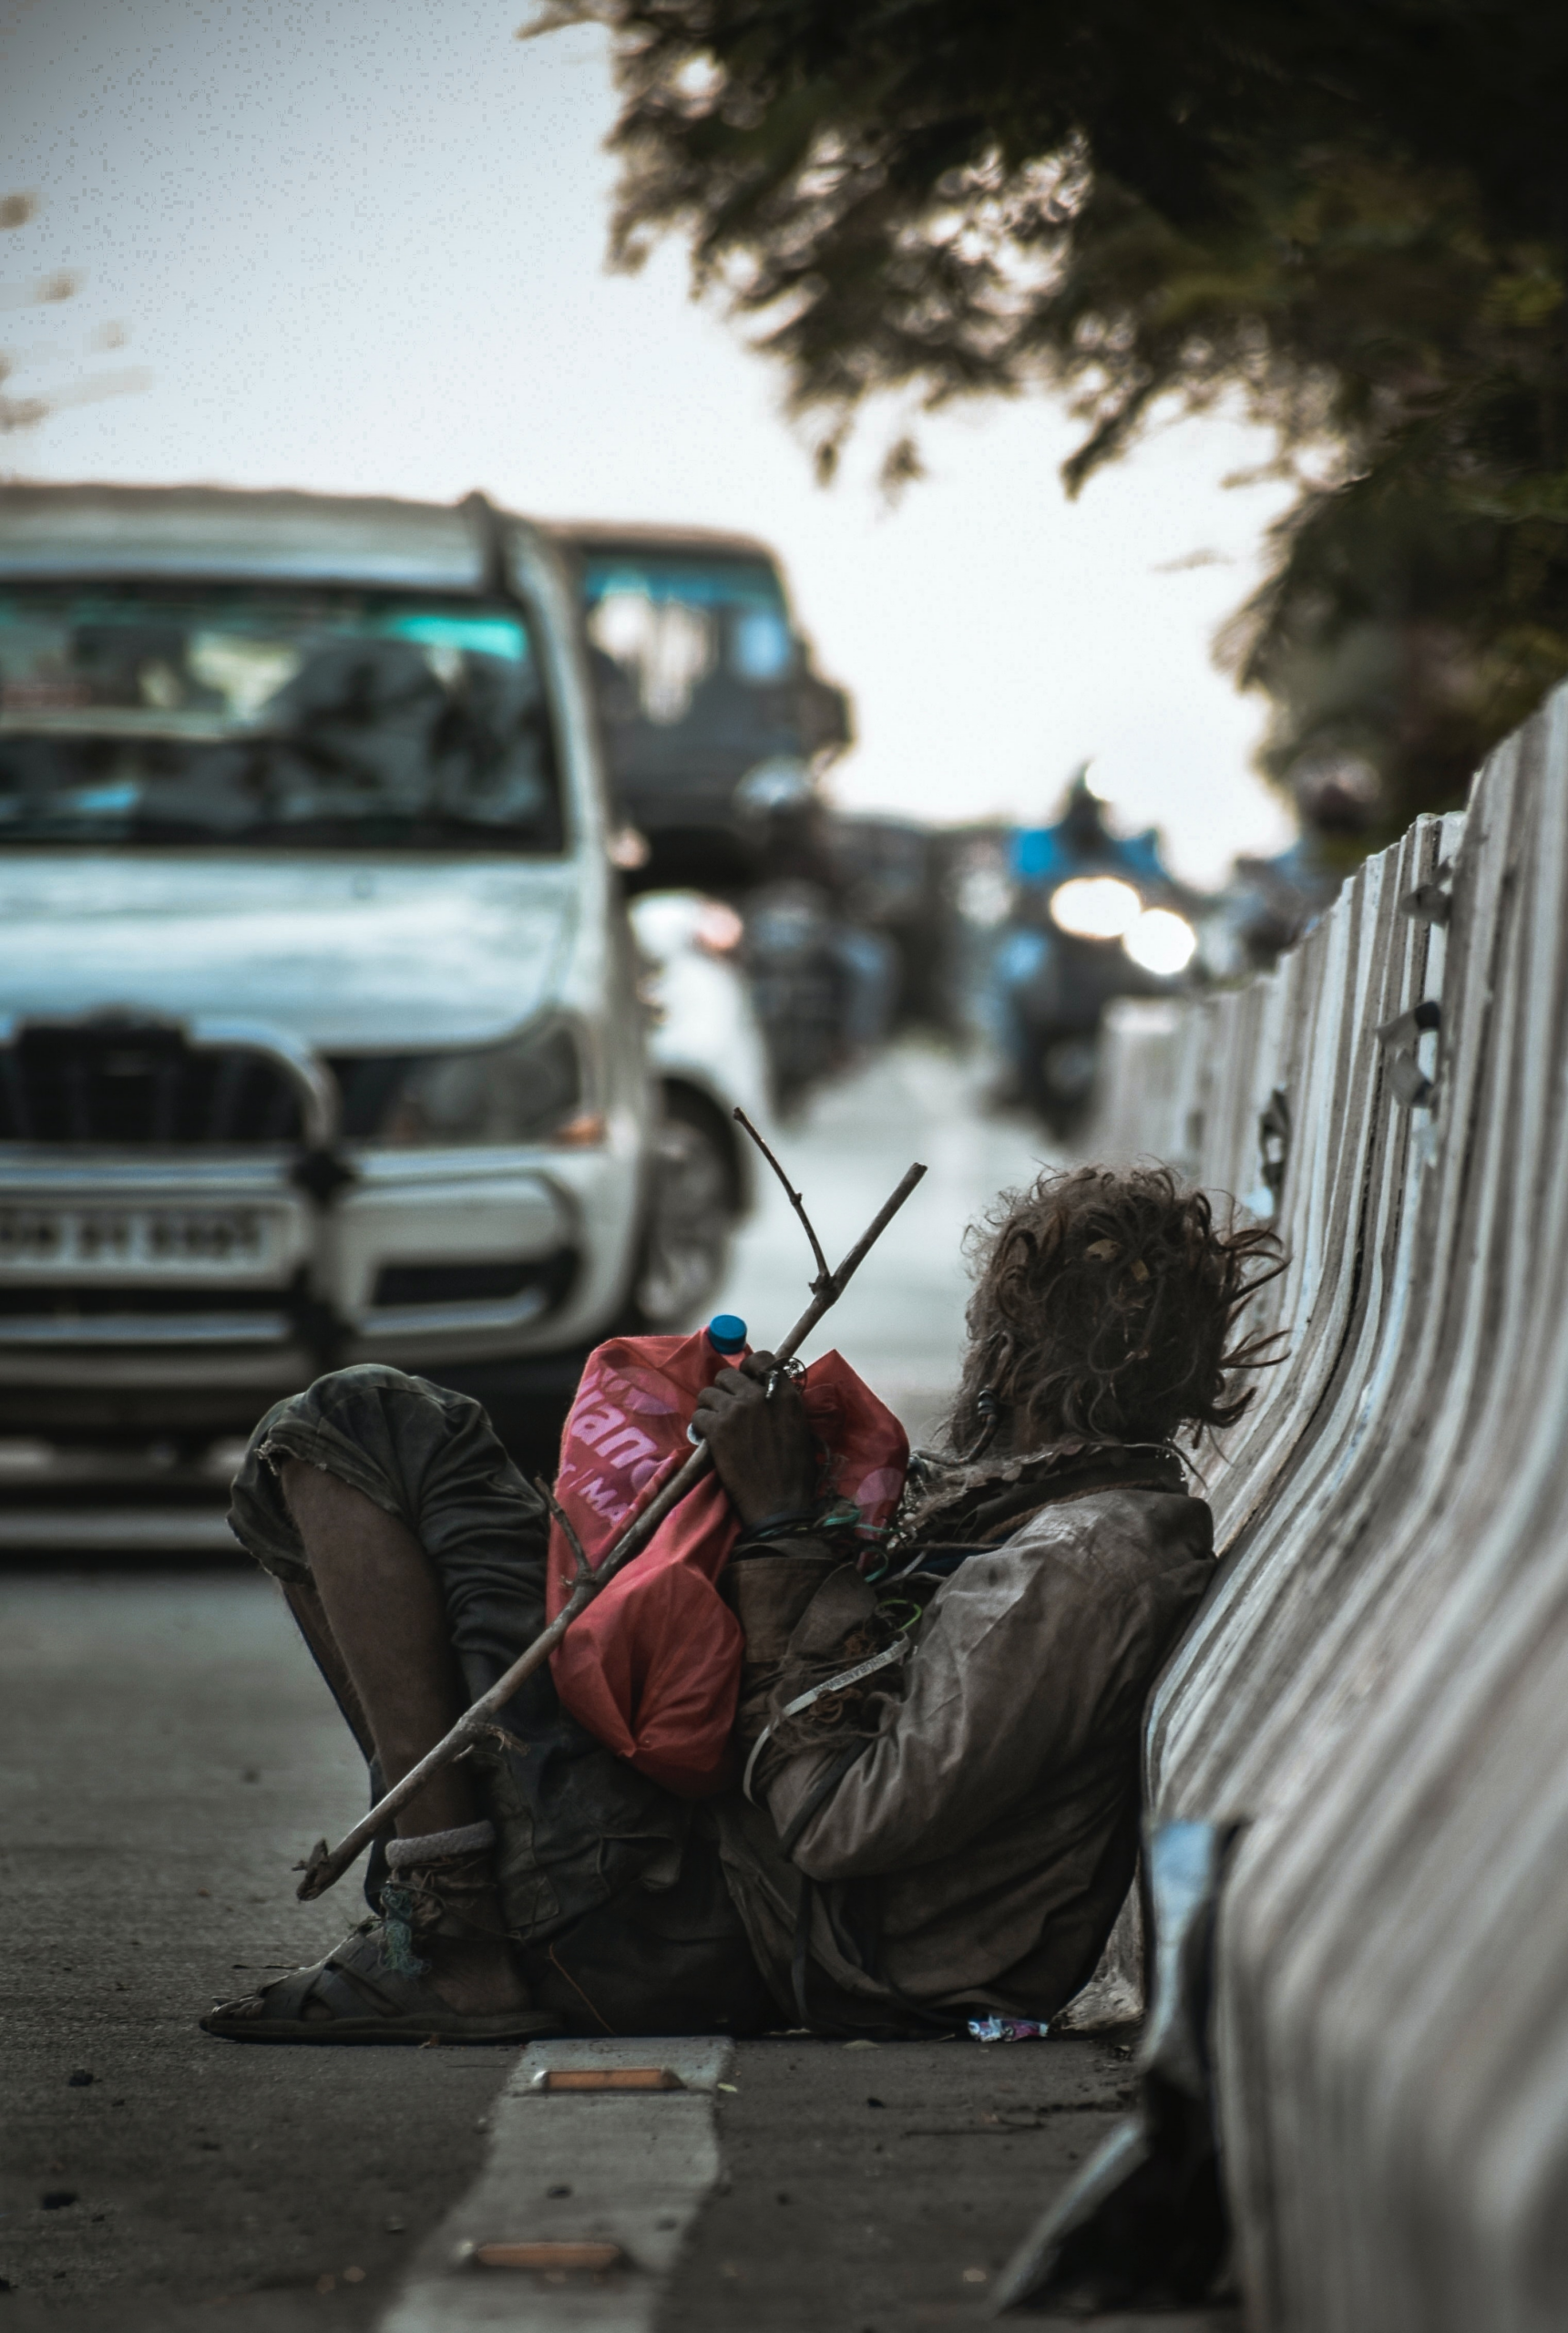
{"x": 1104, "y": 1309}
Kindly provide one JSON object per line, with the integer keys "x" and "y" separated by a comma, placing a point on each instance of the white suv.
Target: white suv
{"x": 318, "y": 1032}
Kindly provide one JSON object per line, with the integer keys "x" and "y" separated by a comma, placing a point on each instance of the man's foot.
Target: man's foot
{"x": 359, "y": 1994}
{"x": 438, "y": 1961}
{"x": 443, "y": 1920}
{"x": 478, "y": 1979}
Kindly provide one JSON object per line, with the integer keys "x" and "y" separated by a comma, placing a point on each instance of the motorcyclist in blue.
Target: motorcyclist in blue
{"x": 1050, "y": 990}
{"x": 1080, "y": 843}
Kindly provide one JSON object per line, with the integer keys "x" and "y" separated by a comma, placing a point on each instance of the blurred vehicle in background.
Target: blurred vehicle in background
{"x": 888, "y": 874}
{"x": 707, "y": 697}
{"x": 1267, "y": 906}
{"x": 319, "y": 1034}
{"x": 708, "y": 1055}
{"x": 824, "y": 988}
{"x": 974, "y": 893}
{"x": 1093, "y": 916}
{"x": 1271, "y": 903}
{"x": 824, "y": 981}
{"x": 717, "y": 732}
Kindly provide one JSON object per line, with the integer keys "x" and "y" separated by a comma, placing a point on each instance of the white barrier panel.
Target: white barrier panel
{"x": 1378, "y": 1685}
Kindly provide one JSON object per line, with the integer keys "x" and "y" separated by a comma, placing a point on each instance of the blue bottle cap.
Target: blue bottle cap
{"x": 727, "y": 1333}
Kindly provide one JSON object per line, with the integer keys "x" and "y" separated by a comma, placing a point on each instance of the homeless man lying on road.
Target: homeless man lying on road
{"x": 949, "y": 1836}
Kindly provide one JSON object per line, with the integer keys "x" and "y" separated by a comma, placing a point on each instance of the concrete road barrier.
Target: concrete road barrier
{"x": 1378, "y": 1686}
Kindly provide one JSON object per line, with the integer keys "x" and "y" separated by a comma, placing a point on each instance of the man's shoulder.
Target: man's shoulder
{"x": 1103, "y": 1577}
{"x": 1119, "y": 1532}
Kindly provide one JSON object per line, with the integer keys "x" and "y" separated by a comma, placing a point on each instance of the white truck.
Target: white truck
{"x": 320, "y": 1033}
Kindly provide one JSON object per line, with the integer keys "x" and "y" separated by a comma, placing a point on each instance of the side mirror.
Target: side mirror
{"x": 825, "y": 714}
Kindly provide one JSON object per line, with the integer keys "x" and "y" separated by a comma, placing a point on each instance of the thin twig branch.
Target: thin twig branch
{"x": 560, "y": 1515}
{"x": 824, "y": 1275}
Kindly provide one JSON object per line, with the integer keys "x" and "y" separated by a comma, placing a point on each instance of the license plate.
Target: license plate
{"x": 195, "y": 1241}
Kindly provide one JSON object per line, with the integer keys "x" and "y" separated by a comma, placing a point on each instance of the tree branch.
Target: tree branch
{"x": 560, "y": 1515}
{"x": 824, "y": 1274}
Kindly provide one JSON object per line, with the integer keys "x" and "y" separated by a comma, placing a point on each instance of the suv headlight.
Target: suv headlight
{"x": 531, "y": 1090}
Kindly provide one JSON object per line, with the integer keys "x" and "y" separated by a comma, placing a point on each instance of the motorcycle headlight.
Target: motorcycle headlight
{"x": 1162, "y": 942}
{"x": 1095, "y": 906}
{"x": 531, "y": 1090}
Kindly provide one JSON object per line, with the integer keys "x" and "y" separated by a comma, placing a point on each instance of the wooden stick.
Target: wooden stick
{"x": 327, "y": 1865}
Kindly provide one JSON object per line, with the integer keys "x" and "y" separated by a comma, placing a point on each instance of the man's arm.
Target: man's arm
{"x": 1021, "y": 1670}
{"x": 1023, "y": 1662}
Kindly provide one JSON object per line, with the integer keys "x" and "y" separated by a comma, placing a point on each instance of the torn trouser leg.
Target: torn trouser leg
{"x": 579, "y": 1829}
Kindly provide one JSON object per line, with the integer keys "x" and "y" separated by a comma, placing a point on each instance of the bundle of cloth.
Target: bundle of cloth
{"x": 652, "y": 1668}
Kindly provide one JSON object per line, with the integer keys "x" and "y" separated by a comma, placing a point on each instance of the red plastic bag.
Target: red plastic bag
{"x": 654, "y": 1667}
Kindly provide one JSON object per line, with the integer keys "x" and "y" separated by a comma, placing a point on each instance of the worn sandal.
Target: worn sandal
{"x": 357, "y": 1994}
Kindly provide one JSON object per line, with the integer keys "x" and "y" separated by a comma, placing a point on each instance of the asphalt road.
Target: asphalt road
{"x": 167, "y": 1752}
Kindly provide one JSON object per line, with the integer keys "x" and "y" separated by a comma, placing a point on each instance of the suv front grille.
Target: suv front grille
{"x": 118, "y": 1083}
{"x": 400, "y": 1286}
{"x": 109, "y": 1300}
{"x": 137, "y": 1318}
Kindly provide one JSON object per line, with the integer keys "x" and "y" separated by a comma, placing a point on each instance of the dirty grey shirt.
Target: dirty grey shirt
{"x": 980, "y": 1848}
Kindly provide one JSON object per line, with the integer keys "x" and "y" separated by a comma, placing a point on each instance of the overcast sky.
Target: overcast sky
{"x": 359, "y": 244}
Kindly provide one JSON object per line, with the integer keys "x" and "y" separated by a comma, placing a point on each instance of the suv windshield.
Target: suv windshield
{"x": 325, "y": 718}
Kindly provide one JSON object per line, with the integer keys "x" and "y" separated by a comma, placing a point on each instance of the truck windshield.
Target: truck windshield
{"x": 320, "y": 718}
{"x": 694, "y": 664}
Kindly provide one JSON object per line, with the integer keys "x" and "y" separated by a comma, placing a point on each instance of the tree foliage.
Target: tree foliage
{"x": 1355, "y": 216}
{"x": 28, "y": 296}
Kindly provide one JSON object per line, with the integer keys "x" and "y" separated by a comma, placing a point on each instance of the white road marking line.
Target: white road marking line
{"x": 639, "y": 2165}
